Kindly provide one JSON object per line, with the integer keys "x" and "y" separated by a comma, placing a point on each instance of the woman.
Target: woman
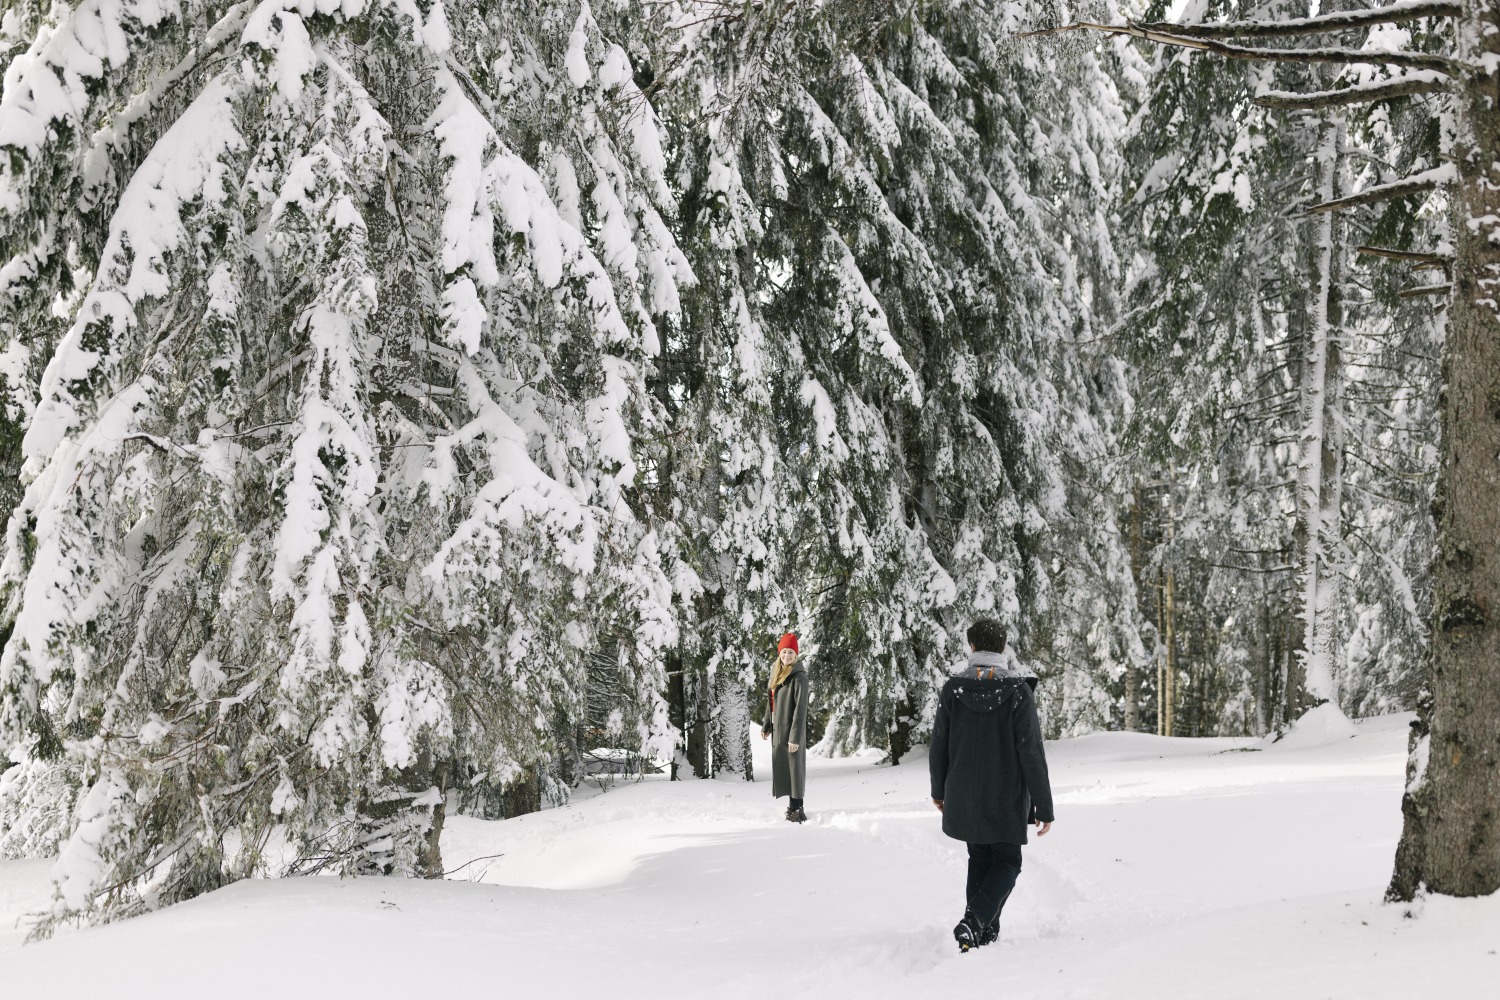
{"x": 786, "y": 720}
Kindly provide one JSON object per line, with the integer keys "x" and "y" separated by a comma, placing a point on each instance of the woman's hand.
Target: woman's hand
{"x": 764, "y": 735}
{"x": 792, "y": 747}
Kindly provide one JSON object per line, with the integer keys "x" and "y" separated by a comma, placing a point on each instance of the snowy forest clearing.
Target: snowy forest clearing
{"x": 1178, "y": 868}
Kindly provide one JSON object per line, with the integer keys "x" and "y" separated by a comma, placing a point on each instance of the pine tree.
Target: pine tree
{"x": 331, "y": 478}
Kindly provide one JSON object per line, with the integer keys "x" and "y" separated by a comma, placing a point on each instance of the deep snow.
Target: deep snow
{"x": 1178, "y": 868}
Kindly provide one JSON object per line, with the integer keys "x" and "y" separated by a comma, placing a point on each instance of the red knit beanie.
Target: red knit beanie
{"x": 788, "y": 641}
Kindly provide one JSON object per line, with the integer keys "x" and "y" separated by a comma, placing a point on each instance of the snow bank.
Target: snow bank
{"x": 1178, "y": 869}
{"x": 1318, "y": 727}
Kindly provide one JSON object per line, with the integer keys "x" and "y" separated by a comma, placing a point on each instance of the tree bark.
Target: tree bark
{"x": 1320, "y": 462}
{"x": 676, "y": 708}
{"x": 431, "y": 861}
{"x": 1450, "y": 841}
{"x": 1132, "y": 671}
{"x": 732, "y": 722}
{"x": 901, "y": 731}
{"x": 699, "y": 706}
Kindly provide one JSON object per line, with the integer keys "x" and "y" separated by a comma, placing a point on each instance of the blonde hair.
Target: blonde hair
{"x": 781, "y": 671}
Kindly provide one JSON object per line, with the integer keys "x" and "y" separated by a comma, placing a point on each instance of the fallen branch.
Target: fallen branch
{"x": 1419, "y": 291}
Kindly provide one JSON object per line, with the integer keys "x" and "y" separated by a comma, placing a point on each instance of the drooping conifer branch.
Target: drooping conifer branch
{"x": 1341, "y": 56}
{"x": 1281, "y": 100}
{"x": 1323, "y": 23}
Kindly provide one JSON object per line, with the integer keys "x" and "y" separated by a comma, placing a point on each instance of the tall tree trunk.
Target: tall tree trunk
{"x": 699, "y": 706}
{"x": 1450, "y": 842}
{"x": 1132, "y": 670}
{"x": 1320, "y": 462}
{"x": 1266, "y": 658}
{"x": 676, "y": 708}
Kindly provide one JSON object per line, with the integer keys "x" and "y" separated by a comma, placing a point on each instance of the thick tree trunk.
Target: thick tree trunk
{"x": 430, "y": 861}
{"x": 676, "y": 709}
{"x": 731, "y": 729}
{"x": 1451, "y": 838}
{"x": 699, "y": 707}
{"x": 901, "y": 731}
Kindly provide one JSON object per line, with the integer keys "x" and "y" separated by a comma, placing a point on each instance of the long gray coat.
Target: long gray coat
{"x": 787, "y": 723}
{"x": 987, "y": 762}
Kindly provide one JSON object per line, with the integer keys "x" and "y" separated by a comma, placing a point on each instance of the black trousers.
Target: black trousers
{"x": 992, "y": 875}
{"x": 794, "y": 803}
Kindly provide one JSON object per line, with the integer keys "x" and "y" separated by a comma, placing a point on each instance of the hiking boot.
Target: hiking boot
{"x": 990, "y": 934}
{"x": 795, "y": 815}
{"x": 967, "y": 933}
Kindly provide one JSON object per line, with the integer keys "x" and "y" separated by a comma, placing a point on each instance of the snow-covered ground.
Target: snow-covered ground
{"x": 1178, "y": 868}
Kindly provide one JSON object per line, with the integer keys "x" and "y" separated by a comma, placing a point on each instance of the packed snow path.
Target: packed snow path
{"x": 1178, "y": 868}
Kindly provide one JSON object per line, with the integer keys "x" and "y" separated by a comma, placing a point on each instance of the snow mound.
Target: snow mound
{"x": 1318, "y": 727}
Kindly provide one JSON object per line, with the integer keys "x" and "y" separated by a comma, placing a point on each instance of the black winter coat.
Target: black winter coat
{"x": 987, "y": 763}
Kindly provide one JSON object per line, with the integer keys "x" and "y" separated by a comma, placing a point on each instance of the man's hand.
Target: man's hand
{"x": 938, "y": 803}
{"x": 792, "y": 747}
{"x": 1042, "y": 828}
{"x": 764, "y": 735}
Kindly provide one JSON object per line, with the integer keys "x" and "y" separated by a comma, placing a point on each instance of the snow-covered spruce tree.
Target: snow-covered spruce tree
{"x": 1261, "y": 459}
{"x": 910, "y": 304}
{"x": 330, "y": 479}
{"x": 1448, "y": 841}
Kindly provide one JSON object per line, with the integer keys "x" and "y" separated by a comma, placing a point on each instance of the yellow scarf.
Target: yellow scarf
{"x": 780, "y": 672}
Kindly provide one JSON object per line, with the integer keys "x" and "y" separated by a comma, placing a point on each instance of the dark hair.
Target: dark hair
{"x": 987, "y": 636}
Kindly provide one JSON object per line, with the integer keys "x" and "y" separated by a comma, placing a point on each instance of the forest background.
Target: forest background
{"x": 404, "y": 399}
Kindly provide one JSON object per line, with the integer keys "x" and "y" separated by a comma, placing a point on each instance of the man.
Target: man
{"x": 989, "y": 774}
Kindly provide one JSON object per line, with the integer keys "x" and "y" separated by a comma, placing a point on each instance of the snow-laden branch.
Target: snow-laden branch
{"x": 1347, "y": 57}
{"x": 1415, "y": 257}
{"x": 1427, "y": 180}
{"x": 1340, "y": 21}
{"x": 1364, "y": 93}
{"x": 1421, "y": 290}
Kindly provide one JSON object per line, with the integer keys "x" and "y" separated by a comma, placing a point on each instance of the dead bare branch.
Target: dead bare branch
{"x": 1346, "y": 57}
{"x": 1321, "y": 100}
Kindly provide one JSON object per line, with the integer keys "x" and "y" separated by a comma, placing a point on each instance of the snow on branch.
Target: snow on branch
{"x": 1427, "y": 180}
{"x": 1407, "y": 60}
{"x": 1421, "y": 290}
{"x": 1414, "y": 257}
{"x": 1340, "y": 21}
{"x": 1365, "y": 93}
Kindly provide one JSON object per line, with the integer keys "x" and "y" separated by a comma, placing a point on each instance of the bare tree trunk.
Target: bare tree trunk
{"x": 901, "y": 731}
{"x": 1161, "y": 663}
{"x": 731, "y": 729}
{"x": 1169, "y": 697}
{"x": 699, "y": 705}
{"x": 1266, "y": 659}
{"x": 1450, "y": 842}
{"x": 430, "y": 862}
{"x": 1132, "y": 672}
{"x": 676, "y": 708}
{"x": 1320, "y": 461}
